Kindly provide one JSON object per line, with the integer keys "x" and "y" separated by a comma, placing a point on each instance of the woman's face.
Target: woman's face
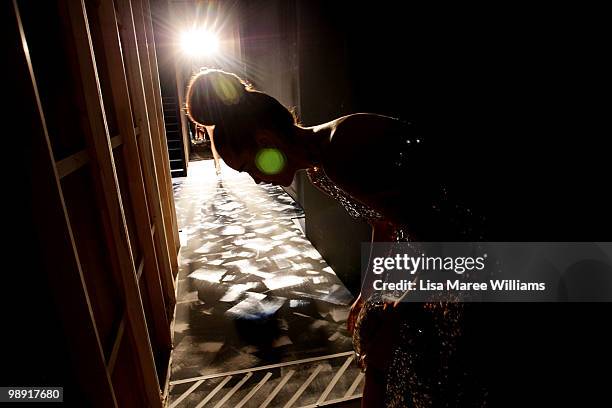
{"x": 268, "y": 163}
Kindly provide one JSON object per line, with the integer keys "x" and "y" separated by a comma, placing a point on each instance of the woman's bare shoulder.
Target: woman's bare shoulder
{"x": 362, "y": 138}
{"x": 364, "y": 131}
{"x": 366, "y": 119}
{"x": 364, "y": 128}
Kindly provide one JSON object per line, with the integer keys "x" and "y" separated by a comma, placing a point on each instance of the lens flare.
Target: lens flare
{"x": 226, "y": 90}
{"x": 270, "y": 161}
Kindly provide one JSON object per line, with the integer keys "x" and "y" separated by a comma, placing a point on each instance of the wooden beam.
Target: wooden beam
{"x": 338, "y": 402}
{"x": 349, "y": 393}
{"x": 334, "y": 380}
{"x": 61, "y": 259}
{"x": 71, "y": 163}
{"x": 121, "y": 329}
{"x": 139, "y": 271}
{"x": 116, "y": 345}
{"x": 231, "y": 392}
{"x": 160, "y": 143}
{"x": 180, "y": 399}
{"x": 107, "y": 188}
{"x": 277, "y": 389}
{"x": 166, "y": 389}
{"x": 137, "y": 84}
{"x": 261, "y": 368}
{"x": 74, "y": 162}
{"x": 169, "y": 208}
{"x": 253, "y": 391}
{"x": 117, "y": 140}
{"x": 303, "y": 387}
{"x": 214, "y": 392}
{"x": 138, "y": 197}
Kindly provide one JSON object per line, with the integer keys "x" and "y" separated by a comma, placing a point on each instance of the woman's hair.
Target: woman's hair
{"x": 220, "y": 98}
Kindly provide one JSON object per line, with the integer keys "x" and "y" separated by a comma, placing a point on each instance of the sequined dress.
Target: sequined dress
{"x": 423, "y": 367}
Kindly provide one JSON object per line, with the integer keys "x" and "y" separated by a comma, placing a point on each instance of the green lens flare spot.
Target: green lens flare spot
{"x": 270, "y": 161}
{"x": 227, "y": 91}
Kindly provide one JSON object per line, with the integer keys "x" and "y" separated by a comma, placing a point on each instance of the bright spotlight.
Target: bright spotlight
{"x": 199, "y": 42}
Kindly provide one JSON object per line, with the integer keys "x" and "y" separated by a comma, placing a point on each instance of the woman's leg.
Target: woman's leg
{"x": 381, "y": 232}
{"x": 215, "y": 154}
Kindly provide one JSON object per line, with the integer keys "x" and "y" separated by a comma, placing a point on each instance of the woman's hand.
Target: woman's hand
{"x": 354, "y": 313}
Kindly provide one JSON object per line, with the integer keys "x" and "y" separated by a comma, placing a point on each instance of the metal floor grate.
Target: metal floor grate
{"x": 313, "y": 382}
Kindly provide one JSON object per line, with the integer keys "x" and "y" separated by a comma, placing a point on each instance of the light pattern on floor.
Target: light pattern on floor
{"x": 252, "y": 292}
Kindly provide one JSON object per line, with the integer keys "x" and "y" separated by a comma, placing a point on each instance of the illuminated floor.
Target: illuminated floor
{"x": 253, "y": 292}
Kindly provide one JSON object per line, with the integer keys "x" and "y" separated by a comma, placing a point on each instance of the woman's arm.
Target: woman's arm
{"x": 382, "y": 231}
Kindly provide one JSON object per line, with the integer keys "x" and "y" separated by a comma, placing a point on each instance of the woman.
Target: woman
{"x": 374, "y": 166}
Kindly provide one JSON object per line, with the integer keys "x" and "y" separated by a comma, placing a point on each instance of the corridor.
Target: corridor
{"x": 260, "y": 317}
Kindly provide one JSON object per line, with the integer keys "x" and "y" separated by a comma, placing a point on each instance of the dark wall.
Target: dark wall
{"x": 326, "y": 94}
{"x": 325, "y": 88}
{"x": 508, "y": 95}
{"x": 269, "y": 50}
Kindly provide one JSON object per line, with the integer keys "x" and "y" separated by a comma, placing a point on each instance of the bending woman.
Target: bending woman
{"x": 373, "y": 165}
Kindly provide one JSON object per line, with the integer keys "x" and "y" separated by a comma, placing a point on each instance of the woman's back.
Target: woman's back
{"x": 390, "y": 165}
